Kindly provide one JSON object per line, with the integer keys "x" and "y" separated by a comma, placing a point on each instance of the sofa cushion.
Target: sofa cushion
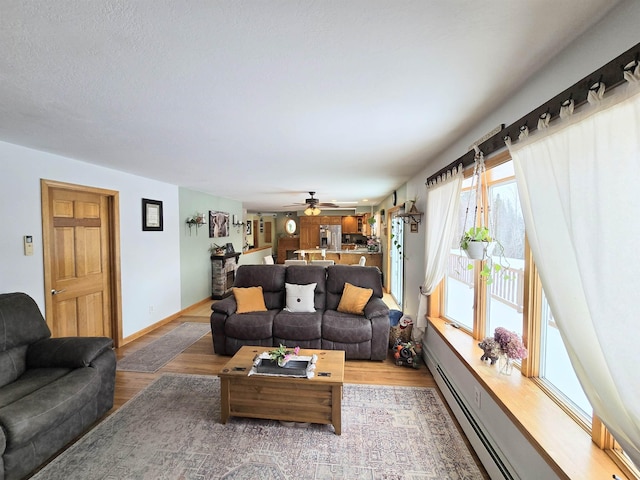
{"x": 32, "y": 380}
{"x": 364, "y": 277}
{"x": 13, "y": 363}
{"x": 306, "y": 274}
{"x": 345, "y": 328}
{"x": 49, "y": 406}
{"x": 250, "y": 326}
{"x": 300, "y": 297}
{"x": 270, "y": 277}
{"x": 249, "y": 299}
{"x": 354, "y": 299}
{"x": 21, "y": 322}
{"x": 297, "y": 326}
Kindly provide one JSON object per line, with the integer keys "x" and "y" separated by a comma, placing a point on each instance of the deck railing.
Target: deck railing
{"x": 508, "y": 291}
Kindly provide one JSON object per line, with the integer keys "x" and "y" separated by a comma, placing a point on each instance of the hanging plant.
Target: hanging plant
{"x": 477, "y": 242}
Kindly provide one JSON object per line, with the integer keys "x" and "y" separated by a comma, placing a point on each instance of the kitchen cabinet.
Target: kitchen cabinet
{"x": 286, "y": 247}
{"x": 310, "y": 229}
{"x": 309, "y": 232}
{"x": 309, "y": 237}
{"x": 349, "y": 224}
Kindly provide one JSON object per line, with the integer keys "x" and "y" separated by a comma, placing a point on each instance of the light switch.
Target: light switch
{"x": 28, "y": 245}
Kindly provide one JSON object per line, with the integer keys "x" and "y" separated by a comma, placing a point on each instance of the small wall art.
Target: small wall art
{"x": 218, "y": 224}
{"x": 151, "y": 215}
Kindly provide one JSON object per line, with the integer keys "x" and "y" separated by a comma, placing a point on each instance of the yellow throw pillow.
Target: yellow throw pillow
{"x": 249, "y": 299}
{"x": 354, "y": 299}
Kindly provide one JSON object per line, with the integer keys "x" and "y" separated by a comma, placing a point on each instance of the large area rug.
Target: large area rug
{"x": 158, "y": 353}
{"x": 172, "y": 430}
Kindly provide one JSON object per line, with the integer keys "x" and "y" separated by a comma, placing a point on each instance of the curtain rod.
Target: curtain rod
{"x": 610, "y": 74}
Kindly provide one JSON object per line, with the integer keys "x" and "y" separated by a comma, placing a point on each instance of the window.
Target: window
{"x": 479, "y": 308}
{"x": 459, "y": 279}
{"x": 555, "y": 367}
{"x": 505, "y": 299}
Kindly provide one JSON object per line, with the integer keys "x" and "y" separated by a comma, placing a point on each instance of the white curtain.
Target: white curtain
{"x": 579, "y": 184}
{"x": 443, "y": 198}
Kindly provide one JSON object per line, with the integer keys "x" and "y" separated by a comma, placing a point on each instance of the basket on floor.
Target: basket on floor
{"x": 400, "y": 328}
{"x": 399, "y": 334}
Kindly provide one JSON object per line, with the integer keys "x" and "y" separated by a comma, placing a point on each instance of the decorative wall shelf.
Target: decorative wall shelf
{"x": 412, "y": 216}
{"x": 196, "y": 220}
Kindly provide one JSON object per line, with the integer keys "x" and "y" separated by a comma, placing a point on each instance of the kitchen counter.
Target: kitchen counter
{"x": 343, "y": 257}
{"x": 318, "y": 251}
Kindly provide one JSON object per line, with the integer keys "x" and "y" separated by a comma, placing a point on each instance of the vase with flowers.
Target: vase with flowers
{"x": 282, "y": 355}
{"x": 510, "y": 348}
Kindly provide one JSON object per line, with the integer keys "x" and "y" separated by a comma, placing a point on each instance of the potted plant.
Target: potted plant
{"x": 215, "y": 249}
{"x": 477, "y": 243}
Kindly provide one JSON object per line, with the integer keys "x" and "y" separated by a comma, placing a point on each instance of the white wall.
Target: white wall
{"x": 150, "y": 261}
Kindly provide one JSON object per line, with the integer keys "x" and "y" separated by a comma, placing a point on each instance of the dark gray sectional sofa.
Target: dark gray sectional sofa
{"x": 51, "y": 389}
{"x": 360, "y": 336}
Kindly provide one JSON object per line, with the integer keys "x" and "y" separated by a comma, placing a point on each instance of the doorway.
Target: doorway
{"x": 396, "y": 259}
{"x": 81, "y": 260}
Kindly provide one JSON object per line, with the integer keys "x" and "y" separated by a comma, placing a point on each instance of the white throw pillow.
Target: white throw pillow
{"x": 300, "y": 297}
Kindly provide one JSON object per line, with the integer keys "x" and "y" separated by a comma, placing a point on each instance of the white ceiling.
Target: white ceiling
{"x": 262, "y": 101}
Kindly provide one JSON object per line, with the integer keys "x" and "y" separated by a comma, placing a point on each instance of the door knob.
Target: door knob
{"x": 55, "y": 292}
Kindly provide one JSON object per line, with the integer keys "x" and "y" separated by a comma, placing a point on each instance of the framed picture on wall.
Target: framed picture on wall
{"x": 249, "y": 222}
{"x": 151, "y": 215}
{"x": 218, "y": 224}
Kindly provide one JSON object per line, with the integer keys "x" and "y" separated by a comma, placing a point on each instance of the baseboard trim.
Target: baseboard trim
{"x": 164, "y": 321}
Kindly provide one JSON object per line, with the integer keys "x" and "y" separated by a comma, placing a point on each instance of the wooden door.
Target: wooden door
{"x": 256, "y": 234}
{"x": 80, "y": 253}
{"x": 267, "y": 232}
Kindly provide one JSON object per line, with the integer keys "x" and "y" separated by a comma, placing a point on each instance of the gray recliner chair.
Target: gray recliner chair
{"x": 51, "y": 389}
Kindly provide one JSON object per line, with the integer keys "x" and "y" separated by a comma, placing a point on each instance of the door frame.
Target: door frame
{"x": 390, "y": 213}
{"x": 113, "y": 207}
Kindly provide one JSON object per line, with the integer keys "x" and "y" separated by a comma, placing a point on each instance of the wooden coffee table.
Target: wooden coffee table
{"x": 291, "y": 399}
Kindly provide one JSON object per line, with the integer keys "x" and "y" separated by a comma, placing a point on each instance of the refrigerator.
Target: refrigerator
{"x": 331, "y": 237}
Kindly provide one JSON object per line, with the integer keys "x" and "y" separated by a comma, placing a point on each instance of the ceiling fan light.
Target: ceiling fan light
{"x": 312, "y": 211}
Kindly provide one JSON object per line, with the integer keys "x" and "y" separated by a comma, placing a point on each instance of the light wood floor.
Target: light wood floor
{"x": 200, "y": 359}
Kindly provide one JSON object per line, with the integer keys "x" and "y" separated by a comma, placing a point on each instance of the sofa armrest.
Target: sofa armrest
{"x": 226, "y": 306}
{"x": 376, "y": 308}
{"x": 67, "y": 352}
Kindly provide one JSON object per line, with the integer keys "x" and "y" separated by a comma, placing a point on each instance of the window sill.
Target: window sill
{"x": 561, "y": 442}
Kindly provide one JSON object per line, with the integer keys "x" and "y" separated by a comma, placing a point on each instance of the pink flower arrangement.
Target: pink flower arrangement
{"x": 281, "y": 355}
{"x": 510, "y": 343}
{"x": 288, "y": 355}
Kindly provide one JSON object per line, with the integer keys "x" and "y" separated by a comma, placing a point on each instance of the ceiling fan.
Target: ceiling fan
{"x": 313, "y": 205}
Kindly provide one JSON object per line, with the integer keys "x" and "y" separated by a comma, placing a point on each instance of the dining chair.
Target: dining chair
{"x": 324, "y": 263}
{"x": 295, "y": 262}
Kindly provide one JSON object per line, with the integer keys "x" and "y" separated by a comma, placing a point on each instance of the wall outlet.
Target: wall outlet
{"x": 150, "y": 309}
{"x": 476, "y": 396}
